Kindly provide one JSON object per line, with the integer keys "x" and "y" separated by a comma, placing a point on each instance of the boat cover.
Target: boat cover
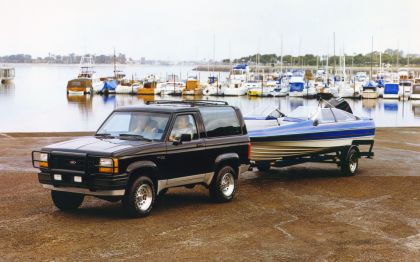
{"x": 391, "y": 89}
{"x": 109, "y": 85}
{"x": 296, "y": 87}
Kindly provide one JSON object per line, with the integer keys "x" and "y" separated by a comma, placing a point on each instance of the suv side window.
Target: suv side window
{"x": 220, "y": 121}
{"x": 184, "y": 124}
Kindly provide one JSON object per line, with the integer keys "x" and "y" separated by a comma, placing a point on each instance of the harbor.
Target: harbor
{"x": 41, "y": 90}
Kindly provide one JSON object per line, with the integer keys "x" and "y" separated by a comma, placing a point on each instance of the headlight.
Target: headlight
{"x": 38, "y": 156}
{"x": 40, "y": 159}
{"x": 107, "y": 162}
{"x": 108, "y": 165}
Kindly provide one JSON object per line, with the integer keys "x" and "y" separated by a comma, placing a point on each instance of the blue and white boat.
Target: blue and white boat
{"x": 391, "y": 91}
{"x": 307, "y": 131}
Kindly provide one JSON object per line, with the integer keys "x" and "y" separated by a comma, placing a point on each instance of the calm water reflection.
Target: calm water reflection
{"x": 37, "y": 101}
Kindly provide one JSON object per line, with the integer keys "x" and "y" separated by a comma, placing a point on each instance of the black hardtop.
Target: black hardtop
{"x": 169, "y": 106}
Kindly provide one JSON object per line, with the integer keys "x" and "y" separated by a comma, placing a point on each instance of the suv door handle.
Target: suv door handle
{"x": 200, "y": 144}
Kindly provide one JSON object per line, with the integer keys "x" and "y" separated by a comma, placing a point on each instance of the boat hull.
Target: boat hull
{"x": 277, "y": 150}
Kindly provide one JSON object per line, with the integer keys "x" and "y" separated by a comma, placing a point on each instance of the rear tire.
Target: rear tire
{"x": 66, "y": 201}
{"x": 140, "y": 197}
{"x": 223, "y": 187}
{"x": 349, "y": 162}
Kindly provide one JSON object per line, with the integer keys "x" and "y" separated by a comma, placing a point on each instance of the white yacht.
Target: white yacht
{"x": 173, "y": 86}
{"x": 235, "y": 85}
{"x": 212, "y": 87}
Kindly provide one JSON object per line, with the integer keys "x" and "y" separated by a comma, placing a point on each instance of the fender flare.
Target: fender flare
{"x": 227, "y": 157}
{"x": 143, "y": 164}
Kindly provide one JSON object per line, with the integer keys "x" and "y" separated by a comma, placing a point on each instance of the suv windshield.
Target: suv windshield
{"x": 136, "y": 125}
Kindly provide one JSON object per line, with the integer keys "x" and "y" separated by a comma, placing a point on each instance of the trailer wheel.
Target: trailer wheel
{"x": 349, "y": 161}
{"x": 66, "y": 201}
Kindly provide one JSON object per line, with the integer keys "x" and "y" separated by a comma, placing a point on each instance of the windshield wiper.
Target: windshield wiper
{"x": 140, "y": 137}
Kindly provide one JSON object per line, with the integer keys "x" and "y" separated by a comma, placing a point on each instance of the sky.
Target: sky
{"x": 203, "y": 29}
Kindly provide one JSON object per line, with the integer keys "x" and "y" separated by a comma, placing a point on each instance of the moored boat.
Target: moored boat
{"x": 370, "y": 91}
{"x": 7, "y": 74}
{"x": 391, "y": 91}
{"x": 86, "y": 82}
{"x": 192, "y": 88}
{"x": 416, "y": 90}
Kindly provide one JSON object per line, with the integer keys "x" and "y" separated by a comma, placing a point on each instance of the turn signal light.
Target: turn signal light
{"x": 106, "y": 169}
{"x": 43, "y": 164}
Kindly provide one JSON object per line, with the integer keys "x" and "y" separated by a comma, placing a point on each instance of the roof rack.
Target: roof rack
{"x": 188, "y": 102}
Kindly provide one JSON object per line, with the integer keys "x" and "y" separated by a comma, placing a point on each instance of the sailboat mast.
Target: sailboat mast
{"x": 281, "y": 55}
{"x": 371, "y": 60}
{"x": 115, "y": 66}
{"x": 334, "y": 69}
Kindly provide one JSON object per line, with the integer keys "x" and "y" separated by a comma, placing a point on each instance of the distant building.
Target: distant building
{"x": 143, "y": 60}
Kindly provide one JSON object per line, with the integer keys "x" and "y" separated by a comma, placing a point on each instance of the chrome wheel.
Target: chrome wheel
{"x": 227, "y": 184}
{"x": 144, "y": 197}
{"x": 353, "y": 161}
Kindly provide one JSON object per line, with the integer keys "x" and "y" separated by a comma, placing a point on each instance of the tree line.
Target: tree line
{"x": 392, "y": 57}
{"x": 63, "y": 59}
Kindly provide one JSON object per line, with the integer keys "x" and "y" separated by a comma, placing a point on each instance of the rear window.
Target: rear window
{"x": 220, "y": 121}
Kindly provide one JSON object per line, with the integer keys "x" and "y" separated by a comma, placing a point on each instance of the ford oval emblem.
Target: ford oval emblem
{"x": 72, "y": 162}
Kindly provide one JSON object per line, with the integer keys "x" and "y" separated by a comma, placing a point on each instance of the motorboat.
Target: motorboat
{"x": 406, "y": 89}
{"x": 369, "y": 91}
{"x": 391, "y": 91}
{"x": 415, "y": 91}
{"x": 173, "y": 86}
{"x": 151, "y": 86}
{"x": 308, "y": 131}
{"x": 192, "y": 87}
{"x": 7, "y": 74}
{"x": 212, "y": 87}
{"x": 86, "y": 82}
{"x": 296, "y": 86}
{"x": 235, "y": 85}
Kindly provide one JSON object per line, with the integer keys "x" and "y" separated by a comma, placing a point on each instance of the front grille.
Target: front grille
{"x": 68, "y": 161}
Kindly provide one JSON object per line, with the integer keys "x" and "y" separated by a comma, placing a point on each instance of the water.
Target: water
{"x": 37, "y": 101}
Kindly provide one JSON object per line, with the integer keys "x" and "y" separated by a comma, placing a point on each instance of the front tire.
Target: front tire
{"x": 349, "y": 162}
{"x": 140, "y": 197}
{"x": 66, "y": 201}
{"x": 223, "y": 187}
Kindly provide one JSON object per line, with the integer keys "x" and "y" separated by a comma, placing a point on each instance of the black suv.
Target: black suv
{"x": 139, "y": 152}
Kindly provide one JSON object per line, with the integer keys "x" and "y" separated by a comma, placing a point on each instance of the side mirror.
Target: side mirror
{"x": 185, "y": 138}
{"x": 316, "y": 122}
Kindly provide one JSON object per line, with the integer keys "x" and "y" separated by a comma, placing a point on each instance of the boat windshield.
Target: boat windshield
{"x": 135, "y": 125}
{"x": 303, "y": 112}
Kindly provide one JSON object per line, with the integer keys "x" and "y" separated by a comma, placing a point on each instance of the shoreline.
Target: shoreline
{"x": 90, "y": 133}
